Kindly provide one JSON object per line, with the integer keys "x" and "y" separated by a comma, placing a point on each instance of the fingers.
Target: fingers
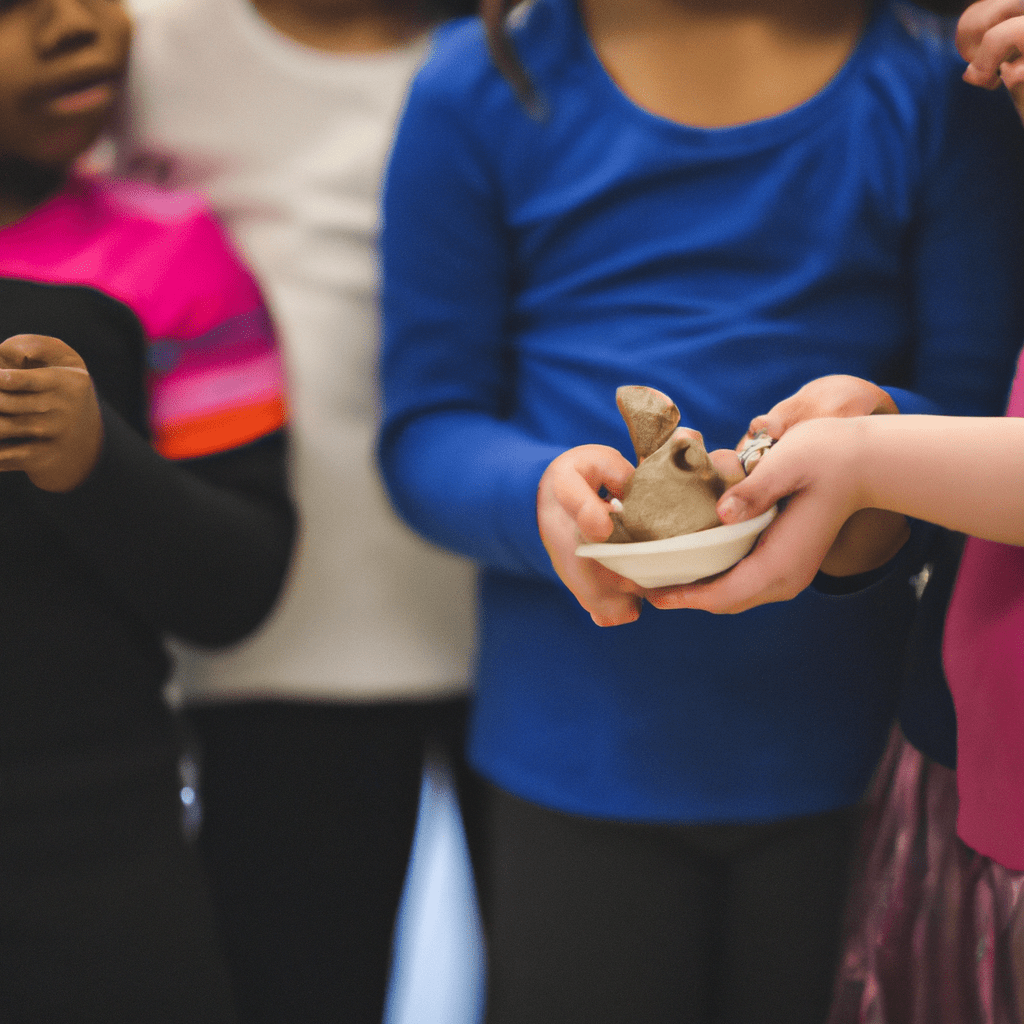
{"x": 31, "y": 351}
{"x": 575, "y": 480}
{"x": 783, "y": 563}
{"x": 50, "y": 378}
{"x": 1001, "y": 44}
{"x": 836, "y": 396}
{"x": 990, "y": 36}
{"x": 601, "y": 466}
{"x": 28, "y": 428}
{"x": 979, "y": 19}
{"x": 37, "y": 403}
{"x": 569, "y": 508}
{"x": 610, "y": 599}
{"x": 751, "y": 497}
{"x": 37, "y": 363}
{"x": 749, "y": 584}
{"x": 1012, "y": 76}
{"x": 805, "y": 404}
{"x": 50, "y": 423}
{"x": 776, "y": 475}
{"x": 614, "y": 603}
{"x": 777, "y": 420}
{"x": 27, "y": 402}
{"x": 22, "y": 454}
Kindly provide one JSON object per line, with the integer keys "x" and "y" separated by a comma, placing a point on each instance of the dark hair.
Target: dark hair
{"x": 442, "y": 10}
{"x": 495, "y": 15}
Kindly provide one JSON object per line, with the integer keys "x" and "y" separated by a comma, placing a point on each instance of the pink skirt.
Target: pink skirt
{"x": 935, "y": 931}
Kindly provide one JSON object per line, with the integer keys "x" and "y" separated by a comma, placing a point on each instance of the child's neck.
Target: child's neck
{"x": 714, "y": 63}
{"x": 343, "y": 26}
{"x": 23, "y": 188}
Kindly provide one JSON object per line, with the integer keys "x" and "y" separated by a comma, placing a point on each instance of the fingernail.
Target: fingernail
{"x": 732, "y": 509}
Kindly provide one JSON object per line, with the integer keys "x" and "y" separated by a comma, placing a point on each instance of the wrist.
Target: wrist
{"x": 865, "y": 453}
{"x": 871, "y": 535}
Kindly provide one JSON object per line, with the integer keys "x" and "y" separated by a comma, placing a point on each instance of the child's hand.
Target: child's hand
{"x": 812, "y": 467}
{"x": 990, "y": 37}
{"x": 871, "y": 537}
{"x": 50, "y": 425}
{"x": 860, "y": 541}
{"x": 570, "y": 512}
{"x": 835, "y": 395}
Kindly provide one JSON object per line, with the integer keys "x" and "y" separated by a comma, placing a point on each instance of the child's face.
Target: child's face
{"x": 61, "y": 66}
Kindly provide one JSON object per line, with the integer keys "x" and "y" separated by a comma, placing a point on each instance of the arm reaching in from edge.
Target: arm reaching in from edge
{"x": 854, "y": 540}
{"x": 990, "y": 37}
{"x": 963, "y": 473}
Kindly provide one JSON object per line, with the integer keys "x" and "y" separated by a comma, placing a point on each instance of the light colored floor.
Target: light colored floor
{"x": 438, "y": 973}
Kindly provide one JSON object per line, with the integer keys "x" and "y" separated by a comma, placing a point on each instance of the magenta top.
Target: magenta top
{"x": 983, "y": 652}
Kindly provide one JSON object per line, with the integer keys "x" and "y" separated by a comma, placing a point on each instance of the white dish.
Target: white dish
{"x": 676, "y": 560}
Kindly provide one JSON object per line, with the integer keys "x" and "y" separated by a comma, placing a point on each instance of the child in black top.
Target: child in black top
{"x": 111, "y": 540}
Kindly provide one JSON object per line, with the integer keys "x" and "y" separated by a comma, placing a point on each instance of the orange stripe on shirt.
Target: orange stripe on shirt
{"x": 219, "y": 431}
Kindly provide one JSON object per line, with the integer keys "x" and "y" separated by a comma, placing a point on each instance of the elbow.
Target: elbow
{"x": 395, "y": 486}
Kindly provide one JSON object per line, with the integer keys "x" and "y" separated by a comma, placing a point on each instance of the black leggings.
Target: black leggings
{"x": 104, "y": 915}
{"x": 594, "y": 921}
{"x": 309, "y": 817}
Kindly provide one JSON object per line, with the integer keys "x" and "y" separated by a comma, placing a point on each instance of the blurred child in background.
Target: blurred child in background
{"x": 312, "y": 734}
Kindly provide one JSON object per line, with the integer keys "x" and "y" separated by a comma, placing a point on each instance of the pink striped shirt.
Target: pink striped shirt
{"x": 215, "y": 377}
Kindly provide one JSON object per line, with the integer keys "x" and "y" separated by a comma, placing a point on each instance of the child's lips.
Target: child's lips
{"x": 83, "y": 99}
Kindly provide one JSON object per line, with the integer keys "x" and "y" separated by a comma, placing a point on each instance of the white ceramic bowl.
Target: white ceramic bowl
{"x": 693, "y": 556}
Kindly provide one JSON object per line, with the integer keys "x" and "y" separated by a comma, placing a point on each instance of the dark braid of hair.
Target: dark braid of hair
{"x": 503, "y": 53}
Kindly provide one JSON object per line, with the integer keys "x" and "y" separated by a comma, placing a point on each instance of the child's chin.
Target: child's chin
{"x": 63, "y": 146}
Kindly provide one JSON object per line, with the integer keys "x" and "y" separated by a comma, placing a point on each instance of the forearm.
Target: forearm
{"x": 468, "y": 482}
{"x": 964, "y": 473}
{"x": 198, "y": 549}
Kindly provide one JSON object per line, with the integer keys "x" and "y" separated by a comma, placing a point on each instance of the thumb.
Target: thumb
{"x": 32, "y": 351}
{"x": 748, "y": 499}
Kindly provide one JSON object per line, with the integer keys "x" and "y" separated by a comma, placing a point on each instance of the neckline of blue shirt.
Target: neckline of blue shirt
{"x": 771, "y": 130}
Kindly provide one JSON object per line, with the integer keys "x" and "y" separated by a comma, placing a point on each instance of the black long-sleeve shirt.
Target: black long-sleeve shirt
{"x": 93, "y": 579}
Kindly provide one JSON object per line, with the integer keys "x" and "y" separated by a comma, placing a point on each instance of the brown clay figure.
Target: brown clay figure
{"x": 675, "y": 487}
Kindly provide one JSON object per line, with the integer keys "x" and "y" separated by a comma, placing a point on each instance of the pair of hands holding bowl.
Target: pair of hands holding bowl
{"x": 822, "y": 525}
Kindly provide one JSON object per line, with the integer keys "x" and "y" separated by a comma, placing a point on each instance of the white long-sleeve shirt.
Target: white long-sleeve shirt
{"x": 289, "y": 144}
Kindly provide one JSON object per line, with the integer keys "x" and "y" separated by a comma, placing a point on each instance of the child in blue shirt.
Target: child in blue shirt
{"x": 673, "y": 802}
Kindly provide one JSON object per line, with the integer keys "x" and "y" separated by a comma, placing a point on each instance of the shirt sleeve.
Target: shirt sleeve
{"x": 215, "y": 378}
{"x": 193, "y": 528}
{"x": 455, "y": 467}
{"x": 198, "y": 549}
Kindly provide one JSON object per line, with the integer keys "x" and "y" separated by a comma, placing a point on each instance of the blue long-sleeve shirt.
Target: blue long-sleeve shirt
{"x": 533, "y": 266}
